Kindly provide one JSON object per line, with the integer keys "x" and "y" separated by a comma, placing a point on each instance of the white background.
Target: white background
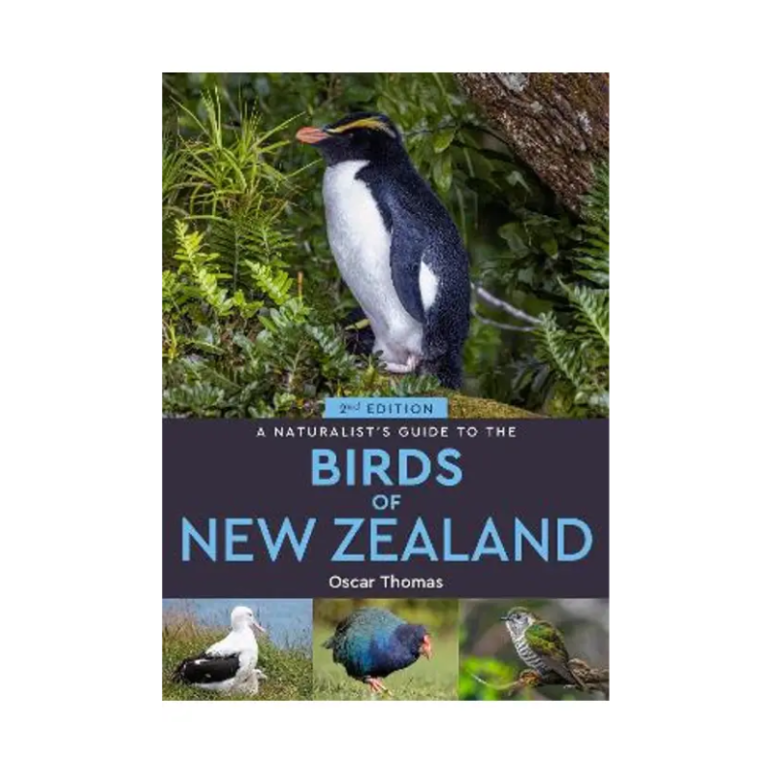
{"x": 81, "y": 429}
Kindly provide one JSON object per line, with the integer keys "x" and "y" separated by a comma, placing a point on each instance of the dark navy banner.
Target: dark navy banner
{"x": 374, "y": 509}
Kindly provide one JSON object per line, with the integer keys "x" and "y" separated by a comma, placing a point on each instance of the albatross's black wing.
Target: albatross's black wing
{"x": 207, "y": 669}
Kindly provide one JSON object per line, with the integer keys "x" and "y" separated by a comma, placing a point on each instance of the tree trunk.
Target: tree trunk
{"x": 556, "y": 123}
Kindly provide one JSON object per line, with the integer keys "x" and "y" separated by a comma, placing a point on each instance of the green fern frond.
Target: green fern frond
{"x": 559, "y": 349}
{"x": 330, "y": 341}
{"x": 202, "y": 268}
{"x": 274, "y": 282}
{"x": 592, "y": 256}
{"x": 591, "y": 308}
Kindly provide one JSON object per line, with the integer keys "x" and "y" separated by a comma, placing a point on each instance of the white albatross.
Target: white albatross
{"x": 230, "y": 664}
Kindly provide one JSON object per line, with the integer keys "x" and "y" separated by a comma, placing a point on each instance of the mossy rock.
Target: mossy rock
{"x": 465, "y": 407}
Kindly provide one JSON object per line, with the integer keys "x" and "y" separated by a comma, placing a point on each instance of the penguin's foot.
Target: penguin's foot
{"x": 408, "y": 367}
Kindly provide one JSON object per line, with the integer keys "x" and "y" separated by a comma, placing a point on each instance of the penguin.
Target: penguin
{"x": 396, "y": 246}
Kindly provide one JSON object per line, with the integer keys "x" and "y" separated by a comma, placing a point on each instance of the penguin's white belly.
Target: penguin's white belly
{"x": 361, "y": 243}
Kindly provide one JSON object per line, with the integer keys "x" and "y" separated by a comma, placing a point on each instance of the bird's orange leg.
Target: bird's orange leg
{"x": 376, "y": 685}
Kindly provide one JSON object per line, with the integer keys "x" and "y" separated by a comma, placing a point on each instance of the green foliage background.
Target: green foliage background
{"x": 253, "y": 304}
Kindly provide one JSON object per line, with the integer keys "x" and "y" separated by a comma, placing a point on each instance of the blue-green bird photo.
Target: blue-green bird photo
{"x": 410, "y": 643}
{"x": 535, "y": 649}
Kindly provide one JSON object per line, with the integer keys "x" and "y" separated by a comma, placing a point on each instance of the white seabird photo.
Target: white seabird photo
{"x": 229, "y": 665}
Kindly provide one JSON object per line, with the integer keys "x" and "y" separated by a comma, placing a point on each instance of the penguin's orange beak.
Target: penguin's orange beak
{"x": 311, "y": 135}
{"x": 426, "y": 647}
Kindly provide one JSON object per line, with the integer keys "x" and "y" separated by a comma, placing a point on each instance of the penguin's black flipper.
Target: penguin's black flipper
{"x": 446, "y": 322}
{"x": 405, "y": 262}
{"x": 408, "y": 239}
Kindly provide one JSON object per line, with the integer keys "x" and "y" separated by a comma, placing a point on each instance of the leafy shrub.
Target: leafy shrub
{"x": 257, "y": 350}
{"x": 574, "y": 343}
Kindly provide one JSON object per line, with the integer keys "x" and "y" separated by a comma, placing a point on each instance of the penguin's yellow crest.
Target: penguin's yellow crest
{"x": 364, "y": 122}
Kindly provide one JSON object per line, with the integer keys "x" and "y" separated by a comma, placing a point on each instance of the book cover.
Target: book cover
{"x": 385, "y": 386}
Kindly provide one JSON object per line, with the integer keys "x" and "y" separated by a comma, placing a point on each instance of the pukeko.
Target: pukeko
{"x": 371, "y": 643}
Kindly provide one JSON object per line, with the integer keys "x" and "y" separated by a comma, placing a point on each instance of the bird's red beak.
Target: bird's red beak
{"x": 311, "y": 135}
{"x": 426, "y": 647}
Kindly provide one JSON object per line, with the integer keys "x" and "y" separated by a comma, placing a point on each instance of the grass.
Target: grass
{"x": 425, "y": 680}
{"x": 466, "y": 407}
{"x": 289, "y": 669}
